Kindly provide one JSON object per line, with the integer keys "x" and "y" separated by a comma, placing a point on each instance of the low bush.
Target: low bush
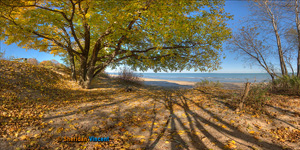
{"x": 286, "y": 85}
{"x": 126, "y": 76}
{"x": 2, "y": 54}
{"x": 207, "y": 83}
{"x": 257, "y": 97}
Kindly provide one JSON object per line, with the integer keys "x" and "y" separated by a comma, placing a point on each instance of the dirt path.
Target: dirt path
{"x": 149, "y": 118}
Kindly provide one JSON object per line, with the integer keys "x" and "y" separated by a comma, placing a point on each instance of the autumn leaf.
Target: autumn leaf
{"x": 23, "y": 137}
{"x": 230, "y": 145}
{"x": 223, "y": 126}
{"x": 59, "y": 130}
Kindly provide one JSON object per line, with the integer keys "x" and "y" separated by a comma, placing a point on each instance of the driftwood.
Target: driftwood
{"x": 245, "y": 94}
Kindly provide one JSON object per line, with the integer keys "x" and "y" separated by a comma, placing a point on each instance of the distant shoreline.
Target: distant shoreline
{"x": 215, "y": 77}
{"x": 192, "y": 73}
{"x": 184, "y": 84}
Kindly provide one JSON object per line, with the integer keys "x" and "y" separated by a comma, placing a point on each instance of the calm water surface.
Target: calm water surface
{"x": 221, "y": 77}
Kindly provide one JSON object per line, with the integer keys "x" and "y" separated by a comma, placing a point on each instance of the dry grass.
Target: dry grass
{"x": 127, "y": 77}
{"x": 207, "y": 83}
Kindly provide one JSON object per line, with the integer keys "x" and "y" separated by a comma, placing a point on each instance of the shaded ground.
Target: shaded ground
{"x": 167, "y": 84}
{"x": 146, "y": 118}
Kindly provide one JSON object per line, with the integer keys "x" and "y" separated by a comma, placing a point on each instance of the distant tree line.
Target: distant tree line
{"x": 46, "y": 63}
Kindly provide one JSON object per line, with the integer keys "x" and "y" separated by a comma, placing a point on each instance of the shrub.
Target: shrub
{"x": 255, "y": 101}
{"x": 2, "y": 54}
{"x": 127, "y": 76}
{"x": 207, "y": 83}
{"x": 32, "y": 61}
{"x": 286, "y": 85}
{"x": 257, "y": 98}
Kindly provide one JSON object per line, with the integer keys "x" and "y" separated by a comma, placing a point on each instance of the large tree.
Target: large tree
{"x": 292, "y": 33}
{"x": 267, "y": 13}
{"x": 294, "y": 7}
{"x": 146, "y": 34}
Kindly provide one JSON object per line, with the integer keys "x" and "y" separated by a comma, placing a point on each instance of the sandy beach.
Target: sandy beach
{"x": 184, "y": 84}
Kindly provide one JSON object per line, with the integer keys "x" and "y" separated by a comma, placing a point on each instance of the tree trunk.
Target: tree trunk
{"x": 282, "y": 63}
{"x": 272, "y": 76}
{"x": 86, "y": 75}
{"x": 298, "y": 32}
{"x": 88, "y": 81}
{"x": 290, "y": 65}
{"x": 246, "y": 91}
{"x": 72, "y": 65}
{"x": 275, "y": 28}
{"x": 83, "y": 73}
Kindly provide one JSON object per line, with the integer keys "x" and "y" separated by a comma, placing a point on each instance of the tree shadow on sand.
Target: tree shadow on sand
{"x": 122, "y": 120}
{"x": 198, "y": 122}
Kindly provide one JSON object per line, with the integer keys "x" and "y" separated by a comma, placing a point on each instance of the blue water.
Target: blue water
{"x": 221, "y": 77}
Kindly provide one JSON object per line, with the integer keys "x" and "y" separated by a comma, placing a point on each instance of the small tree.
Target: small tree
{"x": 32, "y": 61}
{"x": 268, "y": 14}
{"x": 55, "y": 63}
{"x": 297, "y": 20}
{"x": 247, "y": 43}
{"x": 2, "y": 53}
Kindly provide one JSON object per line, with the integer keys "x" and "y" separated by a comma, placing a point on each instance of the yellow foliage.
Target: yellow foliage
{"x": 230, "y": 145}
{"x": 23, "y": 137}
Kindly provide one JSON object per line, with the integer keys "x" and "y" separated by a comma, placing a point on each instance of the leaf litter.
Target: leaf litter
{"x": 40, "y": 106}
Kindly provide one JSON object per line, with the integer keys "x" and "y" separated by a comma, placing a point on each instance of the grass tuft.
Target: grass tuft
{"x": 207, "y": 83}
{"x": 257, "y": 98}
{"x": 286, "y": 85}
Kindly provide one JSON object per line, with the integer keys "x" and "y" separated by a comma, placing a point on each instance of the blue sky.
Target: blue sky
{"x": 230, "y": 64}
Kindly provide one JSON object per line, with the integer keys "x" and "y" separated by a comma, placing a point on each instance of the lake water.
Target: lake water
{"x": 221, "y": 77}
